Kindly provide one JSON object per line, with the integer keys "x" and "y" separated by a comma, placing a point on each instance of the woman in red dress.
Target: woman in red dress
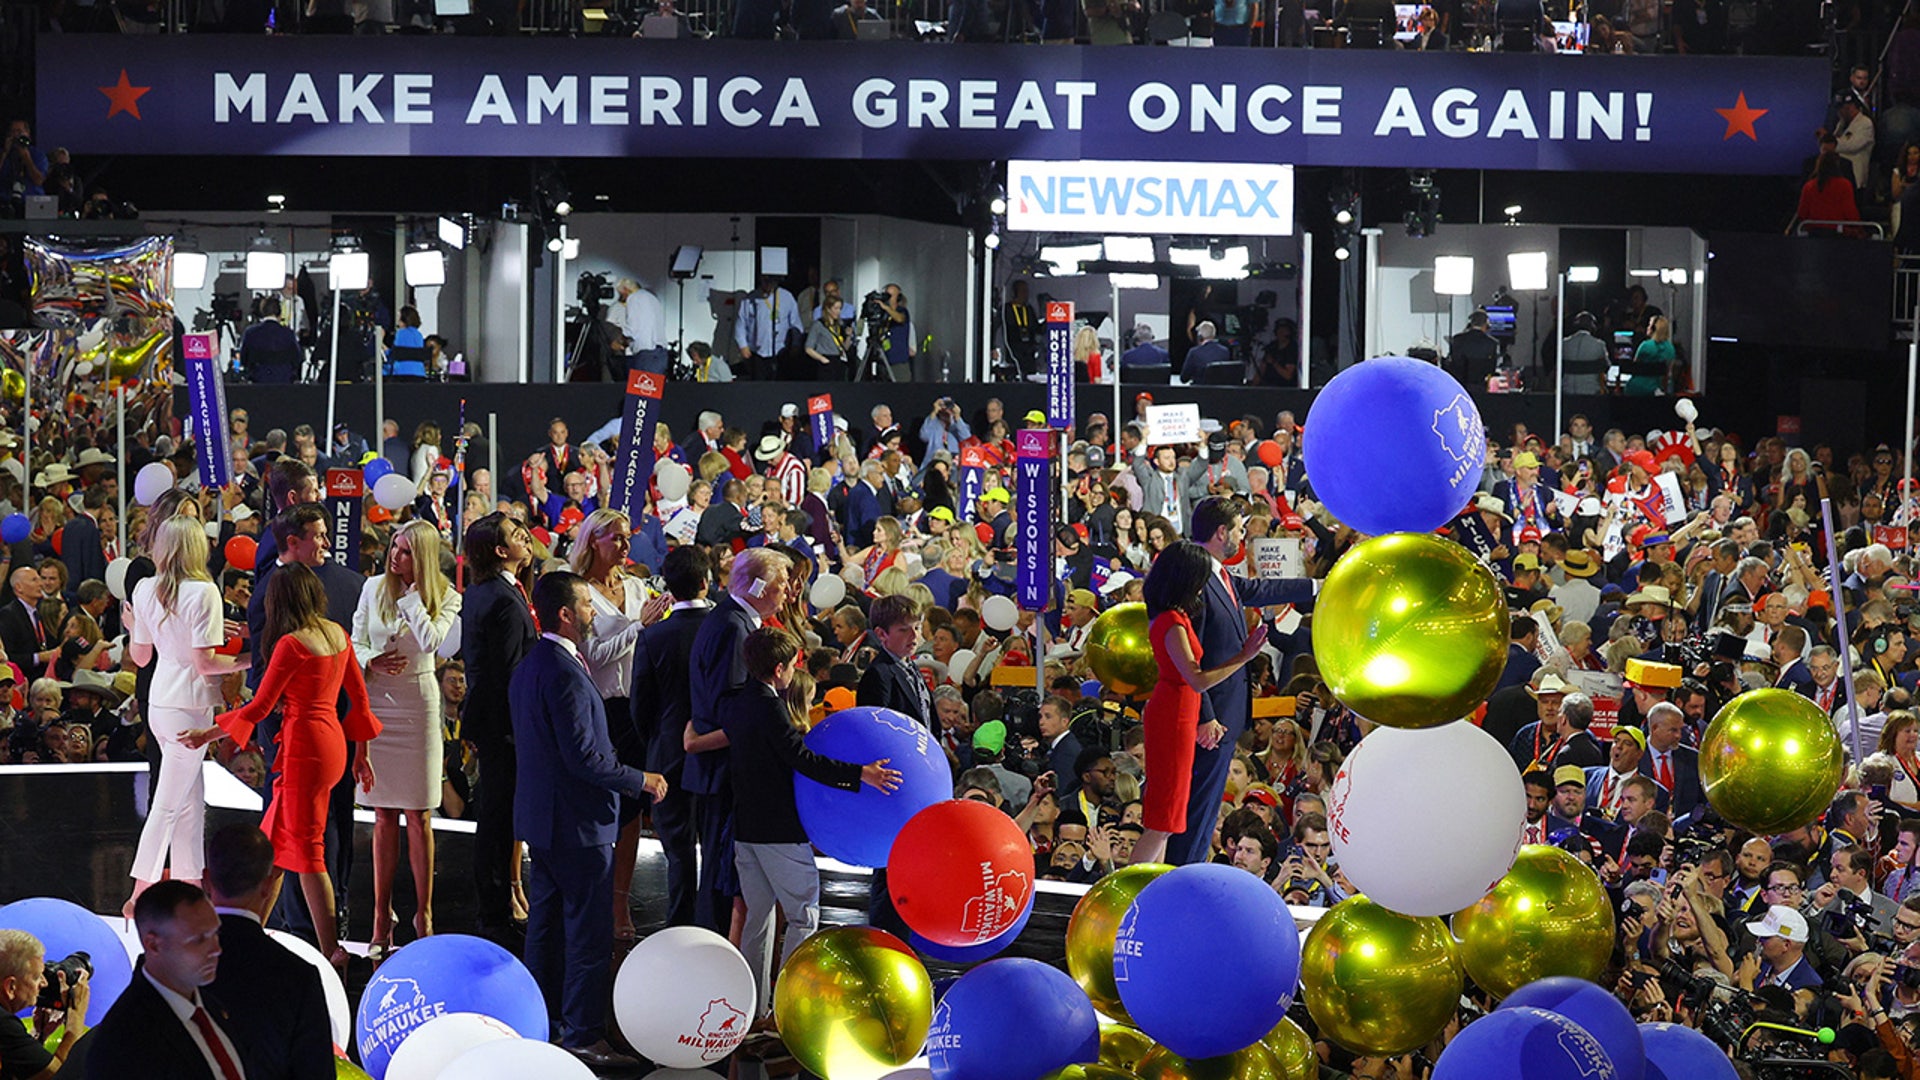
{"x": 1172, "y": 718}
{"x": 308, "y": 660}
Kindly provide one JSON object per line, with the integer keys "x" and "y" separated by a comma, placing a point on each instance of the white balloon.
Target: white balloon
{"x": 441, "y": 1041}
{"x": 827, "y": 592}
{"x": 393, "y": 491}
{"x": 959, "y": 662}
{"x": 1000, "y": 613}
{"x": 151, "y": 482}
{"x": 516, "y": 1059}
{"x": 117, "y": 577}
{"x": 1406, "y": 858}
{"x": 339, "y": 1013}
{"x": 684, "y": 997}
{"x": 672, "y": 478}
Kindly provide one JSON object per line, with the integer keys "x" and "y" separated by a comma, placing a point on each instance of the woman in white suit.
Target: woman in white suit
{"x": 406, "y": 617}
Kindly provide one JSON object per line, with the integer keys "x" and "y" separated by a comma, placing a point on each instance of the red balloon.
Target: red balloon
{"x": 60, "y": 540}
{"x": 240, "y": 551}
{"x": 233, "y": 646}
{"x": 1270, "y": 454}
{"x": 960, "y": 872}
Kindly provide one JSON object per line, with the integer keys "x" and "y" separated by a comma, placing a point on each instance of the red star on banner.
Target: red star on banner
{"x": 123, "y": 97}
{"x": 1740, "y": 119}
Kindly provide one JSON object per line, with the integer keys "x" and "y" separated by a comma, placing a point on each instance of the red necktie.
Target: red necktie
{"x": 228, "y": 1070}
{"x": 1606, "y": 793}
{"x": 527, "y": 600}
{"x": 1826, "y": 697}
{"x": 1227, "y": 580}
{"x": 1663, "y": 771}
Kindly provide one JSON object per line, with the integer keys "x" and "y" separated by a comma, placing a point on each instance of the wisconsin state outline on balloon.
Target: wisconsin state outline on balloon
{"x": 1461, "y": 435}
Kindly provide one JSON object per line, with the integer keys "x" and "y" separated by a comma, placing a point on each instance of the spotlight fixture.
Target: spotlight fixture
{"x": 1513, "y": 213}
{"x": 555, "y": 244}
{"x": 1453, "y": 275}
{"x": 563, "y": 208}
{"x": 453, "y": 233}
{"x": 276, "y": 203}
{"x": 189, "y": 266}
{"x": 349, "y": 270}
{"x": 1424, "y": 219}
{"x": 1527, "y": 270}
{"x": 992, "y": 240}
{"x": 998, "y": 206}
{"x": 1343, "y": 253}
{"x": 425, "y": 268}
{"x": 266, "y": 268}
{"x": 1583, "y": 275}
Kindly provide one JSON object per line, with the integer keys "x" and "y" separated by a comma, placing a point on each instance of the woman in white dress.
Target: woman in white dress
{"x": 620, "y": 609}
{"x": 176, "y": 626}
{"x": 406, "y": 617}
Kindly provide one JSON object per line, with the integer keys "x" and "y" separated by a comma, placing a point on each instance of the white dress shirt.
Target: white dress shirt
{"x": 184, "y": 1008}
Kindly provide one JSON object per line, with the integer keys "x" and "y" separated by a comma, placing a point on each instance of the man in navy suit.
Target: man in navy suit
{"x": 661, "y": 703}
{"x": 1146, "y": 352}
{"x": 80, "y": 547}
{"x": 566, "y": 806}
{"x": 269, "y": 350}
{"x": 892, "y": 681}
{"x": 867, "y": 502}
{"x": 753, "y": 593}
{"x": 165, "y": 1026}
{"x": 275, "y": 997}
{"x": 1220, "y": 526}
{"x": 1062, "y": 746}
{"x": 1789, "y": 653}
{"x": 1206, "y": 353}
{"x": 1671, "y": 765}
{"x": 496, "y": 630}
{"x": 1611, "y": 786}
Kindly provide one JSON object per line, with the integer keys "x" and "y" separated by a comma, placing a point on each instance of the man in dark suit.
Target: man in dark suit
{"x": 1203, "y": 355}
{"x": 1220, "y": 526}
{"x": 1671, "y": 765}
{"x": 661, "y": 704}
{"x": 566, "y": 807}
{"x": 29, "y": 641}
{"x": 1060, "y": 744}
{"x": 165, "y": 1026}
{"x": 496, "y": 630}
{"x": 275, "y": 998}
{"x": 269, "y": 350}
{"x": 725, "y": 519}
{"x": 892, "y": 681}
{"x": 290, "y": 482}
{"x": 753, "y": 593}
{"x": 1146, "y": 352}
{"x": 1473, "y": 353}
{"x": 80, "y": 544}
{"x": 1789, "y": 652}
{"x": 867, "y": 502}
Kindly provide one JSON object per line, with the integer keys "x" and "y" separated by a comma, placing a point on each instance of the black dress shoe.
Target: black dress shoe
{"x": 602, "y": 1056}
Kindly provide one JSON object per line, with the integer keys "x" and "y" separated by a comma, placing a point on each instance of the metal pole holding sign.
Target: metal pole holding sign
{"x": 333, "y": 365}
{"x": 1560, "y": 357}
{"x": 1306, "y": 308}
{"x": 120, "y": 464}
{"x": 1840, "y": 620}
{"x": 1060, "y": 413}
{"x": 493, "y": 457}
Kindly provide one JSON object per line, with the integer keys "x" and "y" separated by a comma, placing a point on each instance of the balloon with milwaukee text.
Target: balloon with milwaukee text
{"x": 960, "y": 872}
{"x": 684, "y": 997}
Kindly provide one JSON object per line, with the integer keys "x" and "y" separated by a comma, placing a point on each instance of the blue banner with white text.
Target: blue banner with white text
{"x": 207, "y": 397}
{"x": 1033, "y": 518}
{"x": 633, "y": 470}
{"x": 453, "y": 96}
{"x": 1060, "y": 365}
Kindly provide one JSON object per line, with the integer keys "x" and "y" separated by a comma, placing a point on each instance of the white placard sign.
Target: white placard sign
{"x": 1675, "y": 502}
{"x": 1277, "y": 557}
{"x": 1172, "y": 425}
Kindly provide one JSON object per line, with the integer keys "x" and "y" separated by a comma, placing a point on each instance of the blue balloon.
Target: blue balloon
{"x": 1524, "y": 1043}
{"x": 374, "y": 470}
{"x": 1010, "y": 1019}
{"x": 15, "y": 528}
{"x": 858, "y": 827}
{"x": 65, "y": 928}
{"x": 973, "y": 954}
{"x": 1396, "y": 446}
{"x": 1602, "y": 1014}
{"x": 1207, "y": 960}
{"x": 442, "y": 974}
{"x": 1677, "y": 1052}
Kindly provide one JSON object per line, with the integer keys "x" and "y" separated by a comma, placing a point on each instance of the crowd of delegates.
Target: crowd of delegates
{"x": 566, "y": 677}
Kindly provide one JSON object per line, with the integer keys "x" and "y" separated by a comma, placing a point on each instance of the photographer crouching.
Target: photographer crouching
{"x": 57, "y": 994}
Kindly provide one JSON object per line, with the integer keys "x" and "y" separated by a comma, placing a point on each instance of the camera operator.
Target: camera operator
{"x": 1848, "y": 895}
{"x": 23, "y": 983}
{"x": 23, "y": 168}
{"x": 897, "y": 331}
{"x": 944, "y": 429}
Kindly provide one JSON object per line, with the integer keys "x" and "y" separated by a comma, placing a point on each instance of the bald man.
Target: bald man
{"x": 29, "y": 642}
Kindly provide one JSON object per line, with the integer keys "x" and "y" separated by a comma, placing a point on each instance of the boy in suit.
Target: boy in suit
{"x": 771, "y": 852}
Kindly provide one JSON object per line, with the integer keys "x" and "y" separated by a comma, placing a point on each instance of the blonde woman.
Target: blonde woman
{"x": 406, "y": 617}
{"x": 620, "y": 609}
{"x": 426, "y": 453}
{"x": 176, "y": 627}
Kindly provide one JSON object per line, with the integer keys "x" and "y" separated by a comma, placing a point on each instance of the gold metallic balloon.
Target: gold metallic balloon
{"x": 853, "y": 1003}
{"x": 1378, "y": 982}
{"x": 1119, "y": 652}
{"x": 1771, "y": 761}
{"x": 1410, "y": 630}
{"x": 347, "y": 1070}
{"x": 1122, "y": 1047}
{"x": 13, "y": 384}
{"x": 1256, "y": 1062}
{"x": 1293, "y": 1048}
{"x": 1095, "y": 922}
{"x": 132, "y": 361}
{"x": 1548, "y": 916}
{"x": 1090, "y": 1072}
